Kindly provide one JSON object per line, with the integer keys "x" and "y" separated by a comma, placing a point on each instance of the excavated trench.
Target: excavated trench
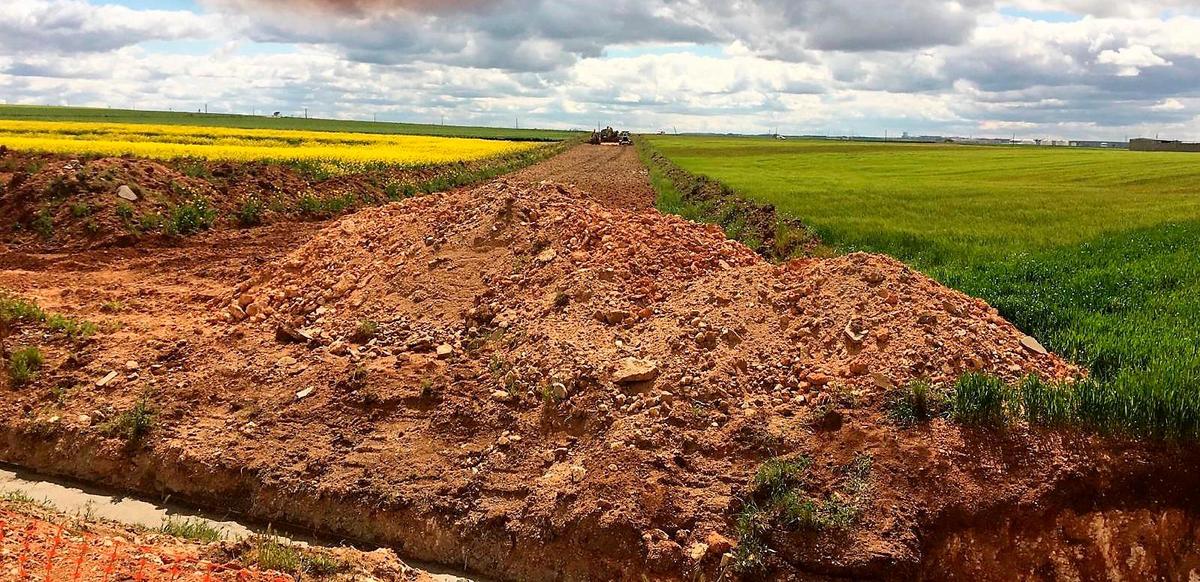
{"x": 1136, "y": 526}
{"x": 89, "y": 501}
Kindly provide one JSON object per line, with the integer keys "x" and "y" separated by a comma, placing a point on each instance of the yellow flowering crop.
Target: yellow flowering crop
{"x": 338, "y": 149}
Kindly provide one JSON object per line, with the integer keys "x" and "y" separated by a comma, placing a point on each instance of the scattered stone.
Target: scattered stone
{"x": 854, "y": 332}
{"x": 612, "y": 316}
{"x": 1031, "y": 344}
{"x": 132, "y": 366}
{"x": 444, "y": 351}
{"x": 126, "y": 193}
{"x": 547, "y": 256}
{"x": 717, "y": 543}
{"x": 882, "y": 381}
{"x": 289, "y": 335}
{"x": 501, "y": 396}
{"x": 301, "y": 394}
{"x": 285, "y": 362}
{"x": 106, "y": 379}
{"x": 632, "y": 370}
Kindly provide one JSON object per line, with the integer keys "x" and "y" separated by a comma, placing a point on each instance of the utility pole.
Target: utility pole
{"x": 206, "y": 108}
{"x": 443, "y": 119}
{"x": 306, "y": 113}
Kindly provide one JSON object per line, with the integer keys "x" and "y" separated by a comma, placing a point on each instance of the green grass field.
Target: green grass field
{"x": 47, "y": 113}
{"x": 1095, "y": 252}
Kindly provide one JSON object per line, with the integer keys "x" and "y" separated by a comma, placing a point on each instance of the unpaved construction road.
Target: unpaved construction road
{"x": 613, "y": 175}
{"x": 545, "y": 382}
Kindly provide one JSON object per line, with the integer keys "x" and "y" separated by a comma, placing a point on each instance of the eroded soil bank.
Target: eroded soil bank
{"x": 521, "y": 381}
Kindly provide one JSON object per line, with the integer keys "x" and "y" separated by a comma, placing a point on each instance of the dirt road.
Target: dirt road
{"x": 612, "y": 174}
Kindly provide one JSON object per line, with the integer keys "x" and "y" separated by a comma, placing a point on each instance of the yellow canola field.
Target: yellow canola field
{"x": 220, "y": 143}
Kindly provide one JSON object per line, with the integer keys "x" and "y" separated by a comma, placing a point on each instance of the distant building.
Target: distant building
{"x": 1098, "y": 144}
{"x": 1162, "y": 145}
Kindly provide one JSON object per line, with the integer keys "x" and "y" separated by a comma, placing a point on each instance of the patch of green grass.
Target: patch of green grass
{"x": 778, "y": 501}
{"x": 979, "y": 399}
{"x": 18, "y": 497}
{"x": 191, "y": 529}
{"x": 14, "y": 309}
{"x": 327, "y": 206}
{"x": 269, "y": 552}
{"x": 1094, "y": 252}
{"x": 365, "y": 331}
{"x": 190, "y": 218}
{"x": 916, "y": 402}
{"x": 1131, "y": 409}
{"x": 81, "y": 209}
{"x": 150, "y": 222}
{"x": 43, "y": 223}
{"x": 23, "y": 364}
{"x": 777, "y": 475}
{"x": 134, "y": 423}
{"x": 249, "y": 213}
{"x": 125, "y": 211}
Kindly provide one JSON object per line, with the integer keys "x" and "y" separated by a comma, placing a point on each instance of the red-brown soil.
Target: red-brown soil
{"x": 527, "y": 383}
{"x": 613, "y": 175}
{"x": 56, "y": 202}
{"x": 38, "y": 543}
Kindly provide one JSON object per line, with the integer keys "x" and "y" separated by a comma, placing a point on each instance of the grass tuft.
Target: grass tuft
{"x": 191, "y": 529}
{"x": 915, "y": 403}
{"x": 249, "y": 213}
{"x": 190, "y": 218}
{"x": 134, "y": 423}
{"x": 23, "y": 364}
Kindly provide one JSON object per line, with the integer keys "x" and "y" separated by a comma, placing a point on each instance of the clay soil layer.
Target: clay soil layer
{"x": 527, "y": 383}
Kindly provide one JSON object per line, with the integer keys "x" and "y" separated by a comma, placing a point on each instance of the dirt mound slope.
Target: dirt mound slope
{"x": 529, "y": 384}
{"x": 613, "y": 175}
{"x": 563, "y": 270}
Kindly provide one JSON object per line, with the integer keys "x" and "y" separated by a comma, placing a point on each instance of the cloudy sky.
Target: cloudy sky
{"x": 1103, "y": 69}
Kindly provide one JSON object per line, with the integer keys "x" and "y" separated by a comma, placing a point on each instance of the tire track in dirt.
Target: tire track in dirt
{"x": 613, "y": 175}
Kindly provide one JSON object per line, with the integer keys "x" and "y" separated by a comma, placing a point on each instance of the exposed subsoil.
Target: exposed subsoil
{"x": 38, "y": 543}
{"x": 527, "y": 383}
{"x": 613, "y": 175}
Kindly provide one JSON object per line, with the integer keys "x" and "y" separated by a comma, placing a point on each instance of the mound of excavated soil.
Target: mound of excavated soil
{"x": 531, "y": 385}
{"x": 579, "y": 292}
